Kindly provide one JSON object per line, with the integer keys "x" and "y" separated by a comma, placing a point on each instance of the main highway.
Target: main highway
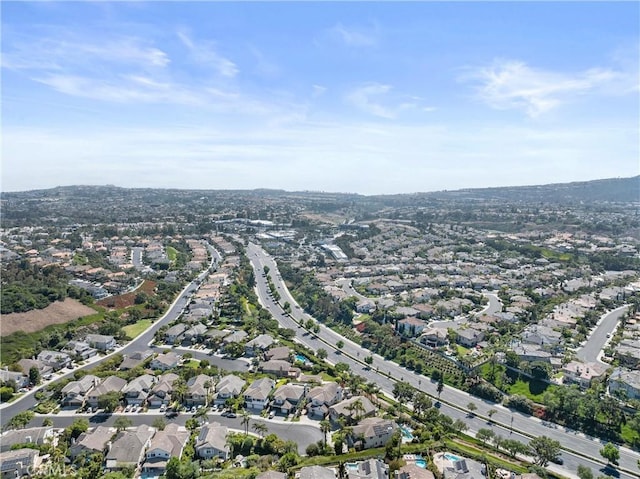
{"x": 577, "y": 448}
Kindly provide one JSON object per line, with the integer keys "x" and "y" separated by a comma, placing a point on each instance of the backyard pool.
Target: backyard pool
{"x": 406, "y": 434}
{"x": 451, "y": 457}
{"x": 421, "y": 463}
{"x": 301, "y": 358}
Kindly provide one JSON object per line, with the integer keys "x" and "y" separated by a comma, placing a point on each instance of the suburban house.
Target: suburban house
{"x": 129, "y": 447}
{"x": 369, "y": 469}
{"x": 321, "y": 397}
{"x": 626, "y": 382}
{"x": 161, "y": 391}
{"x": 411, "y": 326}
{"x": 316, "y": 472}
{"x": 366, "y": 306}
{"x": 75, "y": 392}
{"x": 355, "y": 407}
{"x": 281, "y": 353}
{"x": 287, "y": 397}
{"x": 108, "y": 384}
{"x": 19, "y": 462}
{"x": 279, "y": 368}
{"x": 198, "y": 389}
{"x": 435, "y": 337}
{"x": 101, "y": 342}
{"x": 32, "y": 435}
{"x": 165, "y": 361}
{"x": 582, "y": 374}
{"x": 21, "y": 379}
{"x": 229, "y": 387}
{"x": 165, "y": 444}
{"x": 80, "y": 349}
{"x": 412, "y": 471}
{"x": 272, "y": 475}
{"x": 256, "y": 397}
{"x": 55, "y": 359}
{"x": 135, "y": 359}
{"x": 174, "y": 333}
{"x": 212, "y": 442}
{"x": 27, "y": 364}
{"x": 530, "y": 352}
{"x": 258, "y": 345}
{"x": 92, "y": 441}
{"x": 372, "y": 432}
{"x": 469, "y": 337}
{"x": 194, "y": 333}
{"x": 235, "y": 337}
{"x": 137, "y": 390}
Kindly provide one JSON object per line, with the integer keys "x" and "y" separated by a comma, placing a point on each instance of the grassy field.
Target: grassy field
{"x": 172, "y": 253}
{"x": 133, "y": 330}
{"x": 534, "y": 390}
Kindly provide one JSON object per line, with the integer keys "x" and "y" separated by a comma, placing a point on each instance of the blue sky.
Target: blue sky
{"x": 381, "y": 97}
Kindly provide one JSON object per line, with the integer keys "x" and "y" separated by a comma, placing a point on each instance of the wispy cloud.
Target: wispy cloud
{"x": 377, "y": 100}
{"x": 354, "y": 36}
{"x": 205, "y": 54}
{"x": 511, "y": 84}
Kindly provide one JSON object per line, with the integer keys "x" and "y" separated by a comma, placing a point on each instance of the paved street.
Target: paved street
{"x": 453, "y": 400}
{"x": 592, "y": 349}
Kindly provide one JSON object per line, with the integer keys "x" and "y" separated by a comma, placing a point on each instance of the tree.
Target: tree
{"x": 440, "y": 386}
{"x": 368, "y": 359}
{"x": 122, "y": 422}
{"x": 402, "y": 391}
{"x": 585, "y": 472}
{"x": 159, "y": 423}
{"x": 76, "y": 428}
{"x": 490, "y": 413}
{"x": 109, "y": 401}
{"x": 34, "y": 376}
{"x": 421, "y": 403}
{"x": 191, "y": 424}
{"x": 459, "y": 425}
{"x": 611, "y": 453}
{"x": 20, "y": 420}
{"x": 172, "y": 470}
{"x": 325, "y": 428}
{"x": 472, "y": 408}
{"x": 544, "y": 449}
{"x": 47, "y": 422}
{"x": 321, "y": 353}
{"x": 485, "y": 435}
{"x": 513, "y": 447}
{"x": 340, "y": 344}
{"x": 245, "y": 421}
{"x": 260, "y": 427}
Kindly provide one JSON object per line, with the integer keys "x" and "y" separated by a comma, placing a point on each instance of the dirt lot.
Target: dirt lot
{"x": 126, "y": 300}
{"x": 32, "y": 321}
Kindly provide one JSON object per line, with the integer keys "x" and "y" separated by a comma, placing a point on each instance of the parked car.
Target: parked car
{"x": 272, "y": 414}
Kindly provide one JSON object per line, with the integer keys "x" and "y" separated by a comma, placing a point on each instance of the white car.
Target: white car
{"x": 127, "y": 408}
{"x": 163, "y": 408}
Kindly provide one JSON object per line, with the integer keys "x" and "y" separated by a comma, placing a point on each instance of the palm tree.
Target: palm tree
{"x": 208, "y": 384}
{"x": 179, "y": 390}
{"x": 325, "y": 427}
{"x": 245, "y": 421}
{"x": 358, "y": 408}
{"x": 261, "y": 428}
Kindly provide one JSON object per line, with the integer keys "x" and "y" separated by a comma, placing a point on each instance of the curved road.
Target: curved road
{"x": 453, "y": 402}
{"x": 592, "y": 349}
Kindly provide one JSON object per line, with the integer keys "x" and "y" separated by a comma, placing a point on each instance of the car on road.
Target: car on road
{"x": 171, "y": 414}
{"x": 230, "y": 414}
{"x": 558, "y": 460}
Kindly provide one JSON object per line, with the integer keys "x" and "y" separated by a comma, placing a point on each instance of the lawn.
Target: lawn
{"x": 172, "y": 253}
{"x": 192, "y": 363}
{"x": 533, "y": 389}
{"x": 133, "y": 330}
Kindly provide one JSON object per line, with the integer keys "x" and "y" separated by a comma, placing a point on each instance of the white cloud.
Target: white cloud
{"x": 378, "y": 99}
{"x": 318, "y": 90}
{"x": 511, "y": 84}
{"x": 355, "y": 37}
{"x": 204, "y": 54}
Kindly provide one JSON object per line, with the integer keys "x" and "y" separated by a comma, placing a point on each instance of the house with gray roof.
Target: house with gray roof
{"x": 626, "y": 382}
{"x": 21, "y": 379}
{"x": 345, "y": 409}
{"x": 279, "y": 368}
{"x": 174, "y": 333}
{"x": 135, "y": 359}
{"x": 108, "y": 385}
{"x": 19, "y": 462}
{"x": 369, "y": 469}
{"x": 235, "y": 337}
{"x": 256, "y": 397}
{"x": 272, "y": 475}
{"x": 101, "y": 342}
{"x": 161, "y": 392}
{"x": 287, "y": 397}
{"x": 258, "y": 345}
{"x": 80, "y": 349}
{"x": 31, "y": 435}
{"x": 166, "y": 444}
{"x": 129, "y": 447}
{"x": 229, "y": 387}
{"x": 194, "y": 333}
{"x": 197, "y": 390}
{"x": 212, "y": 442}
{"x": 55, "y": 359}
{"x": 92, "y": 441}
{"x": 412, "y": 471}
{"x": 138, "y": 389}
{"x": 75, "y": 392}
{"x": 316, "y": 472}
{"x": 372, "y": 432}
{"x": 321, "y": 398}
{"x": 27, "y": 364}
{"x": 165, "y": 361}
{"x": 281, "y": 353}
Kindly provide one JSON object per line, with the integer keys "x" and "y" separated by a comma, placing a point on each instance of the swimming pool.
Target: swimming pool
{"x": 451, "y": 457}
{"x": 301, "y": 358}
{"x": 421, "y": 463}
{"x": 351, "y": 465}
{"x": 406, "y": 433}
